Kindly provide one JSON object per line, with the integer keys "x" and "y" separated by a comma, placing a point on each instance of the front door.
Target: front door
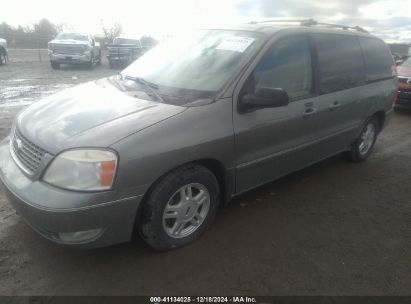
{"x": 271, "y": 142}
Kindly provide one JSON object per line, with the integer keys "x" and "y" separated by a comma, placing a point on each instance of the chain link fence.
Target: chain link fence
{"x": 28, "y": 55}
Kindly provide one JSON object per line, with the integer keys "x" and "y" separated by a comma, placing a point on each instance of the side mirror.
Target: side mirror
{"x": 264, "y": 98}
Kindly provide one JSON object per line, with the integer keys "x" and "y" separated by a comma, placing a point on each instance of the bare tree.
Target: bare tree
{"x": 111, "y": 32}
{"x": 45, "y": 31}
{"x": 62, "y": 27}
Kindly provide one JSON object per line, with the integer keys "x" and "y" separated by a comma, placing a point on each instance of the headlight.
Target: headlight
{"x": 83, "y": 169}
{"x": 51, "y": 46}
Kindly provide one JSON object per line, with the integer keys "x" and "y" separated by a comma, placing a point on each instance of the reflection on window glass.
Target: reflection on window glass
{"x": 286, "y": 66}
{"x": 378, "y": 59}
{"x": 204, "y": 60}
{"x": 341, "y": 62}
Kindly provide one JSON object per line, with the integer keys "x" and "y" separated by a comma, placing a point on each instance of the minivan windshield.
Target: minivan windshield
{"x": 195, "y": 65}
{"x": 72, "y": 36}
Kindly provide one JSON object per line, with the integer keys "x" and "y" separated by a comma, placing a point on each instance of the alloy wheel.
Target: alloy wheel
{"x": 186, "y": 210}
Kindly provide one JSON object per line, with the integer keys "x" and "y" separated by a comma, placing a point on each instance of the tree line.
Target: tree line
{"x": 38, "y": 35}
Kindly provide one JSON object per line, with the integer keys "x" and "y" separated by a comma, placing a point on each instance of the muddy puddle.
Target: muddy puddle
{"x": 20, "y": 92}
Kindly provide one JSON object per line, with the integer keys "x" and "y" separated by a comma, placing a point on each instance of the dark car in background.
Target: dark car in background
{"x": 404, "y": 90}
{"x": 123, "y": 51}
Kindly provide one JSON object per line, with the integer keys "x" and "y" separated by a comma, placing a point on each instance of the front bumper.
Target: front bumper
{"x": 63, "y": 58}
{"x": 58, "y": 214}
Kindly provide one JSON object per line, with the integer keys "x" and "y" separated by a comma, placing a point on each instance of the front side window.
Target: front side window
{"x": 340, "y": 61}
{"x": 287, "y": 66}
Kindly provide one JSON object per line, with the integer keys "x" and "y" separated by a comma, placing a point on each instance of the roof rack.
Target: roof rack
{"x": 312, "y": 22}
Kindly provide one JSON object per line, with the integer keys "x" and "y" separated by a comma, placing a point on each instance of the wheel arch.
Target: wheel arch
{"x": 380, "y": 115}
{"x": 222, "y": 175}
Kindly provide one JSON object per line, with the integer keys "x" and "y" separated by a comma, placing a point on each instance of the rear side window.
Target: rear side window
{"x": 378, "y": 59}
{"x": 341, "y": 65}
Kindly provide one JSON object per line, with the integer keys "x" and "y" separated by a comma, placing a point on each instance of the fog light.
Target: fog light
{"x": 79, "y": 236}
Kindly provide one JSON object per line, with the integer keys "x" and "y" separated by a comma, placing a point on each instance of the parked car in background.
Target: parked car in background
{"x": 74, "y": 48}
{"x": 397, "y": 58}
{"x": 3, "y": 51}
{"x": 156, "y": 149}
{"x": 123, "y": 51}
{"x": 404, "y": 91}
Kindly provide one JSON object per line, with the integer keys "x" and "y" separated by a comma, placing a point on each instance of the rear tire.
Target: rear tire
{"x": 99, "y": 60}
{"x": 90, "y": 64}
{"x": 362, "y": 148}
{"x": 3, "y": 57}
{"x": 180, "y": 208}
{"x": 55, "y": 65}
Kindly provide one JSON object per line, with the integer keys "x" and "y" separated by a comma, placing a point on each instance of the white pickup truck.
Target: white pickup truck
{"x": 3, "y": 51}
{"x": 74, "y": 48}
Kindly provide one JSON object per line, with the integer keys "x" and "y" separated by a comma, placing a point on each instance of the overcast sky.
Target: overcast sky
{"x": 389, "y": 19}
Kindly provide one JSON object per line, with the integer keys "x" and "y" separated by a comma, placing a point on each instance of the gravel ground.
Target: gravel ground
{"x": 336, "y": 228}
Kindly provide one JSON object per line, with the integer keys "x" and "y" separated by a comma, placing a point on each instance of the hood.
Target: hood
{"x": 404, "y": 71}
{"x": 69, "y": 41}
{"x": 95, "y": 114}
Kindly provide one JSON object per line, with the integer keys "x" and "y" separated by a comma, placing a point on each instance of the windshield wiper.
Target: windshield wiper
{"x": 151, "y": 86}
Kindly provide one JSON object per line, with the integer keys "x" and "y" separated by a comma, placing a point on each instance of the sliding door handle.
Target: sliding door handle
{"x": 335, "y": 105}
{"x": 309, "y": 112}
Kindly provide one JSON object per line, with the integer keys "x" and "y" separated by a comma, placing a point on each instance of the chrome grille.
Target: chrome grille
{"x": 27, "y": 153}
{"x": 67, "y": 49}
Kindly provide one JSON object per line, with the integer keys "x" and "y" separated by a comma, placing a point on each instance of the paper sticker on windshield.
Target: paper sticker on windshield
{"x": 235, "y": 44}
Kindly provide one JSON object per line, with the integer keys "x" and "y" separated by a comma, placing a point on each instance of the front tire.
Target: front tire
{"x": 364, "y": 144}
{"x": 55, "y": 65}
{"x": 180, "y": 208}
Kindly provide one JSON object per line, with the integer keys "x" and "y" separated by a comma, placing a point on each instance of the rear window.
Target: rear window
{"x": 340, "y": 62}
{"x": 378, "y": 60}
{"x": 125, "y": 41}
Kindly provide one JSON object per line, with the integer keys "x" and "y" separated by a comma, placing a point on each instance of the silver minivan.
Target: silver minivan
{"x": 156, "y": 150}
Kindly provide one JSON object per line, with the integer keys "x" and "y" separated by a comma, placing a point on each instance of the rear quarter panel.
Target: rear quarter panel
{"x": 378, "y": 97}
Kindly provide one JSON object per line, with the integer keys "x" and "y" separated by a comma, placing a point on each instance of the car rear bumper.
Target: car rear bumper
{"x": 84, "y": 226}
{"x": 403, "y": 99}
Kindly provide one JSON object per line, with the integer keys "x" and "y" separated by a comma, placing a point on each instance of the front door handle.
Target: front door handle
{"x": 335, "y": 105}
{"x": 309, "y": 112}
